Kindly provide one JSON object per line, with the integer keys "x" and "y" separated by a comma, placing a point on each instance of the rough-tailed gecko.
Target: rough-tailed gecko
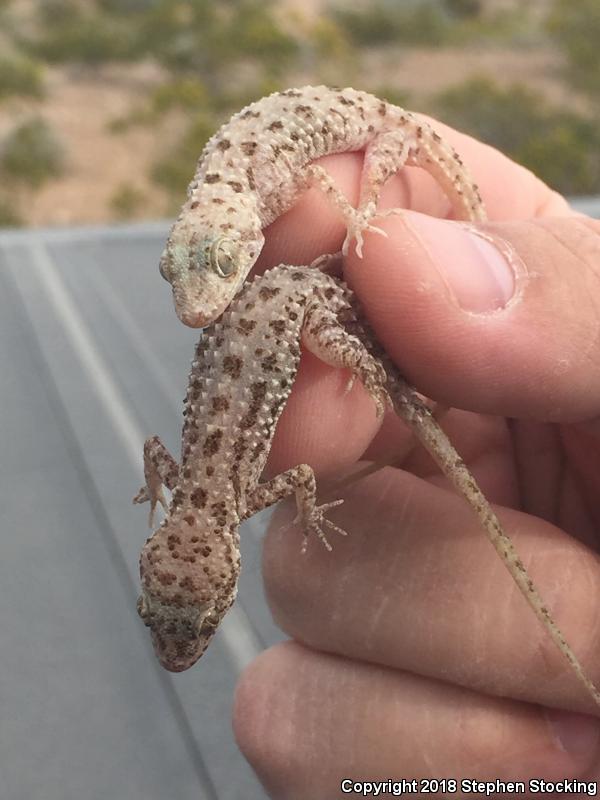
{"x": 259, "y": 162}
{"x": 241, "y": 377}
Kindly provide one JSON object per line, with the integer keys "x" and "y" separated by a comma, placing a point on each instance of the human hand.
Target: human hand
{"x": 416, "y": 655}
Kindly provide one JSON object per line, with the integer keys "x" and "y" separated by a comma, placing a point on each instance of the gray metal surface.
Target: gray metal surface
{"x": 92, "y": 360}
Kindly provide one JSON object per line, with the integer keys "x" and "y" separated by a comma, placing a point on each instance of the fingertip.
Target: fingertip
{"x": 577, "y": 735}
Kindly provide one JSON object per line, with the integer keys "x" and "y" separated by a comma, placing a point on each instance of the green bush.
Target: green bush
{"x": 175, "y": 171}
{"x": 20, "y": 75}
{"x": 69, "y": 32}
{"x": 254, "y": 33}
{"x": 204, "y": 38}
{"x": 9, "y": 215}
{"x": 126, "y": 201}
{"x": 383, "y": 23}
{"x": 464, "y": 9}
{"x": 32, "y": 153}
{"x": 576, "y": 28}
{"x": 187, "y": 93}
{"x": 398, "y": 97}
{"x": 560, "y": 146}
{"x": 126, "y": 6}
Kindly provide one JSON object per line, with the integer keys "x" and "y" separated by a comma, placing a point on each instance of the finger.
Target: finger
{"x": 313, "y": 226}
{"x": 306, "y": 721}
{"x": 501, "y": 319}
{"x": 423, "y": 590}
{"x": 323, "y": 424}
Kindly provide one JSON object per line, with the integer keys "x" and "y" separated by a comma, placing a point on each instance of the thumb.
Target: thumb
{"x": 500, "y": 318}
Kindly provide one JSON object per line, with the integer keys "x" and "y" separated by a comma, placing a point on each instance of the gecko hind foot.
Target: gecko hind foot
{"x": 362, "y": 224}
{"x": 329, "y": 263}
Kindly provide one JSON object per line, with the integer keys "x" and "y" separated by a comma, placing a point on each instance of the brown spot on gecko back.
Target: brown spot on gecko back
{"x": 198, "y": 498}
{"x": 246, "y": 326}
{"x": 212, "y": 443}
{"x": 269, "y": 362}
{"x": 278, "y": 326}
{"x": 258, "y": 392}
{"x": 220, "y": 403}
{"x": 268, "y": 292}
{"x": 232, "y": 366}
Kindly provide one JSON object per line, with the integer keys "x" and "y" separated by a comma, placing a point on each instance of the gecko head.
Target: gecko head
{"x": 180, "y": 634}
{"x": 206, "y": 272}
{"x": 189, "y": 571}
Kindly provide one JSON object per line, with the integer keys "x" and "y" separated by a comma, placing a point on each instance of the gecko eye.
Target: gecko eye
{"x": 206, "y": 623}
{"x": 162, "y": 265}
{"x": 222, "y": 257}
{"x": 142, "y": 607}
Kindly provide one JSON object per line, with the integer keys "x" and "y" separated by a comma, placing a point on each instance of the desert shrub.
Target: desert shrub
{"x": 398, "y": 97}
{"x": 174, "y": 172}
{"x": 576, "y": 29}
{"x": 126, "y": 201}
{"x": 464, "y": 9}
{"x": 204, "y": 38}
{"x": 126, "y": 6}
{"x": 560, "y": 146}
{"x": 386, "y": 23}
{"x": 187, "y": 93}
{"x": 32, "y": 153}
{"x": 10, "y": 216}
{"x": 20, "y": 75}
{"x": 70, "y": 32}
{"x": 254, "y": 32}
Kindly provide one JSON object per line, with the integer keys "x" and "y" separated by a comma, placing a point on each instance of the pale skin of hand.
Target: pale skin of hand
{"x": 415, "y": 655}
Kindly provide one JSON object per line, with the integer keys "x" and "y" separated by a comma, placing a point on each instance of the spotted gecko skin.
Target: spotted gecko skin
{"x": 241, "y": 377}
{"x": 258, "y": 164}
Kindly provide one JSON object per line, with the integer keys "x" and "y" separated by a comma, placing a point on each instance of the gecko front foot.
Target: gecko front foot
{"x": 314, "y": 522}
{"x": 142, "y": 496}
{"x": 160, "y": 468}
{"x": 155, "y": 497}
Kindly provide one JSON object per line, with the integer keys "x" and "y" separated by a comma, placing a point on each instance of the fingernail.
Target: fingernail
{"x": 477, "y": 272}
{"x": 575, "y": 734}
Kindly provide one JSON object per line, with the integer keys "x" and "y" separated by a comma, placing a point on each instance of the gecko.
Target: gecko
{"x": 241, "y": 376}
{"x": 257, "y": 165}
